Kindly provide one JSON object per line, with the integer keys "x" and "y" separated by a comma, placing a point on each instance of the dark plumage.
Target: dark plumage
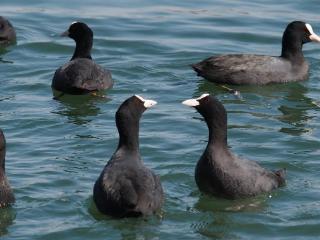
{"x": 126, "y": 188}
{"x": 6, "y": 194}
{"x": 258, "y": 69}
{"x": 7, "y": 32}
{"x": 218, "y": 171}
{"x": 81, "y": 75}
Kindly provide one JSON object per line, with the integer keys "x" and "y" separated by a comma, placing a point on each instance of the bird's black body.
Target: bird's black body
{"x": 81, "y": 74}
{"x": 6, "y": 194}
{"x": 218, "y": 171}
{"x": 241, "y": 69}
{"x": 126, "y": 188}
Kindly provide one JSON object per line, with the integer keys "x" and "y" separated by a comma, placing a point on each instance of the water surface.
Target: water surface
{"x": 57, "y": 148}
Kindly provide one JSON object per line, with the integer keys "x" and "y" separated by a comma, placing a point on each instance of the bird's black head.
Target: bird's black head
{"x": 127, "y": 120}
{"x": 133, "y": 107}
{"x": 214, "y": 114}
{"x": 83, "y": 36}
{"x": 78, "y": 31}
{"x": 296, "y": 34}
{"x": 301, "y": 31}
{"x": 208, "y": 106}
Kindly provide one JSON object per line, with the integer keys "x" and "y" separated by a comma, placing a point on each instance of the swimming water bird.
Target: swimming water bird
{"x": 6, "y": 194}
{"x": 260, "y": 69}
{"x": 7, "y": 32}
{"x": 219, "y": 172}
{"x": 81, "y": 75}
{"x": 126, "y": 188}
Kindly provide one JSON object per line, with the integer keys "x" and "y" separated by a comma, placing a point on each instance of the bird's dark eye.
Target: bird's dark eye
{"x": 306, "y": 30}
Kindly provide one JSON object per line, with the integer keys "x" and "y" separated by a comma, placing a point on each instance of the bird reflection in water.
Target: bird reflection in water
{"x": 79, "y": 109}
{"x": 7, "y": 216}
{"x": 294, "y": 107}
{"x": 3, "y": 51}
{"x": 215, "y": 222}
{"x": 130, "y": 228}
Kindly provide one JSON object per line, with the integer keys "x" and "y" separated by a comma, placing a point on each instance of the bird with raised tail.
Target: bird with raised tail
{"x": 241, "y": 69}
{"x": 126, "y": 188}
{"x": 81, "y": 75}
{"x": 6, "y": 194}
{"x": 219, "y": 172}
{"x": 7, "y": 32}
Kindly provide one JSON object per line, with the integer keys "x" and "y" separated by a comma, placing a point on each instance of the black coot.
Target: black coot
{"x": 6, "y": 194}
{"x": 126, "y": 188}
{"x": 7, "y": 32}
{"x": 259, "y": 69}
{"x": 81, "y": 75}
{"x": 218, "y": 171}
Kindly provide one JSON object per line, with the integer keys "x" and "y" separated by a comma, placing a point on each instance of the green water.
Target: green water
{"x": 56, "y": 149}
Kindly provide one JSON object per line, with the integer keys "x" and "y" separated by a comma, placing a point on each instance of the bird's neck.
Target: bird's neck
{"x": 83, "y": 49}
{"x": 217, "y": 148}
{"x": 292, "y": 50}
{"x": 129, "y": 136}
{"x": 217, "y": 131}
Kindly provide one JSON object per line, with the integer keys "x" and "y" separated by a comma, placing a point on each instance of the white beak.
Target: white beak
{"x": 193, "y": 102}
{"x": 147, "y": 103}
{"x": 313, "y": 37}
